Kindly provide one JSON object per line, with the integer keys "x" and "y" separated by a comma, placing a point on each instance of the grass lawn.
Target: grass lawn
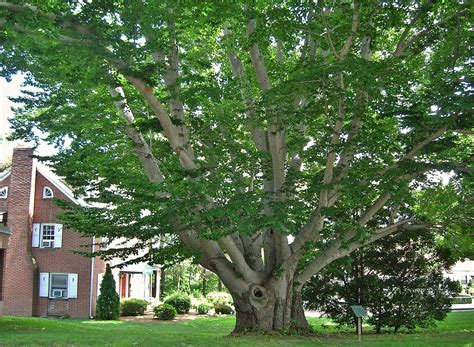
{"x": 456, "y": 330}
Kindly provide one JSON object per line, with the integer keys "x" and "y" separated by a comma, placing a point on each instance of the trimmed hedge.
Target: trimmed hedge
{"x": 203, "y": 308}
{"x": 221, "y": 298}
{"x": 180, "y": 301}
{"x": 462, "y": 299}
{"x": 223, "y": 309}
{"x": 164, "y": 312}
{"x": 133, "y": 307}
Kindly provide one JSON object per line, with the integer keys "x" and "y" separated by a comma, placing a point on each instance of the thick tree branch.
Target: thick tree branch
{"x": 143, "y": 151}
{"x": 171, "y": 132}
{"x": 239, "y": 261}
{"x": 354, "y": 26}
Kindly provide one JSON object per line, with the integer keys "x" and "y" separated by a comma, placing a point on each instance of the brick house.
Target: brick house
{"x": 40, "y": 275}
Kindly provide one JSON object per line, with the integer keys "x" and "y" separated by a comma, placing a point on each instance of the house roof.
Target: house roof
{"x": 59, "y": 184}
{"x": 54, "y": 180}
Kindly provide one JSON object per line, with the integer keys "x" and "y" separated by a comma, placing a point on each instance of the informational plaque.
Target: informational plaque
{"x": 359, "y": 311}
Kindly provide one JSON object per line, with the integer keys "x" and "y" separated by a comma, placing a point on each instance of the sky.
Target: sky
{"x": 12, "y": 89}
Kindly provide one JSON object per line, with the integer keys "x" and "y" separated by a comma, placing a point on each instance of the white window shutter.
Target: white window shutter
{"x": 58, "y": 236}
{"x": 35, "y": 241}
{"x": 44, "y": 284}
{"x": 72, "y": 286}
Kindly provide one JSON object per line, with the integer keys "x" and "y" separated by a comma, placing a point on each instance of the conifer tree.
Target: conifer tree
{"x": 108, "y": 303}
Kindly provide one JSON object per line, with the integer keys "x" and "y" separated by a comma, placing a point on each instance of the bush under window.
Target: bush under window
{"x": 133, "y": 307}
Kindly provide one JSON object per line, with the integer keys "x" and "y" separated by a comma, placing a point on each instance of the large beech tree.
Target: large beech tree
{"x": 264, "y": 138}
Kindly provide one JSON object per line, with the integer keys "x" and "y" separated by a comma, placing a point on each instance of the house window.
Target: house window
{"x": 3, "y": 218}
{"x": 3, "y": 192}
{"x": 58, "y": 287}
{"x": 47, "y": 235}
{"x": 47, "y": 193}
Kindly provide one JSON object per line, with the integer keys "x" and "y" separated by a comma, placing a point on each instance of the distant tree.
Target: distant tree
{"x": 5, "y": 163}
{"x": 190, "y": 278}
{"x": 108, "y": 303}
{"x": 398, "y": 279}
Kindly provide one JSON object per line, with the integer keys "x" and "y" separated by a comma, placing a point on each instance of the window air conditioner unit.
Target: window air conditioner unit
{"x": 57, "y": 293}
{"x": 48, "y": 244}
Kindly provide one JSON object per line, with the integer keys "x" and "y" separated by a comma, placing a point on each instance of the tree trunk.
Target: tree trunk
{"x": 275, "y": 306}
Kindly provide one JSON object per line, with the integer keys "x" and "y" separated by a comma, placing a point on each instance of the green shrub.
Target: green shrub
{"x": 133, "y": 307}
{"x": 180, "y": 301}
{"x": 221, "y": 298}
{"x": 462, "y": 299}
{"x": 223, "y": 309}
{"x": 108, "y": 302}
{"x": 164, "y": 312}
{"x": 203, "y": 308}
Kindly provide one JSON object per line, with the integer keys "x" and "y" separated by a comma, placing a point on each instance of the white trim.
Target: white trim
{"x": 55, "y": 180}
{"x": 32, "y": 187}
{"x": 92, "y": 280}
{"x": 4, "y": 175}
{"x": 6, "y": 192}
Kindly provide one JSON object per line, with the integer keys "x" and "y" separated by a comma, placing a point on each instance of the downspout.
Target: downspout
{"x": 92, "y": 279}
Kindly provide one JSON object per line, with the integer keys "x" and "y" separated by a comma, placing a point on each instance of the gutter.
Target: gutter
{"x": 92, "y": 279}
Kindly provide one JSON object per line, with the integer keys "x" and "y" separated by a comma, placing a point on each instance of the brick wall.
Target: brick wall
{"x": 2, "y": 261}
{"x": 20, "y": 270}
{"x": 63, "y": 260}
{"x": 22, "y": 263}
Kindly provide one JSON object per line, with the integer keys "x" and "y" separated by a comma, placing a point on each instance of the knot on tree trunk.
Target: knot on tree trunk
{"x": 258, "y": 295}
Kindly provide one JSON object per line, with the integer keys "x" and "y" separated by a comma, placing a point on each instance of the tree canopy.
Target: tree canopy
{"x": 265, "y": 138}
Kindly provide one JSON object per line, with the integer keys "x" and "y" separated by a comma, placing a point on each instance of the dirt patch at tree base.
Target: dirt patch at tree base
{"x": 148, "y": 317}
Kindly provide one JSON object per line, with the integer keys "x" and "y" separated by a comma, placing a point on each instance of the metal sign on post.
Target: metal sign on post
{"x": 359, "y": 312}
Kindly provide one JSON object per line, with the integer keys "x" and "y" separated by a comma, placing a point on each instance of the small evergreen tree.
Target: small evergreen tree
{"x": 398, "y": 279}
{"x": 108, "y": 303}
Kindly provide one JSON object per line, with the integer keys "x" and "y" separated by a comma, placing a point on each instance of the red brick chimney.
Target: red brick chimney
{"x": 20, "y": 269}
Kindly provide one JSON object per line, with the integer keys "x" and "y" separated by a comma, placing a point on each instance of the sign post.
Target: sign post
{"x": 359, "y": 312}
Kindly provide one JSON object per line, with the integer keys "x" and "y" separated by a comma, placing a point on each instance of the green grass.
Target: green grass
{"x": 456, "y": 330}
